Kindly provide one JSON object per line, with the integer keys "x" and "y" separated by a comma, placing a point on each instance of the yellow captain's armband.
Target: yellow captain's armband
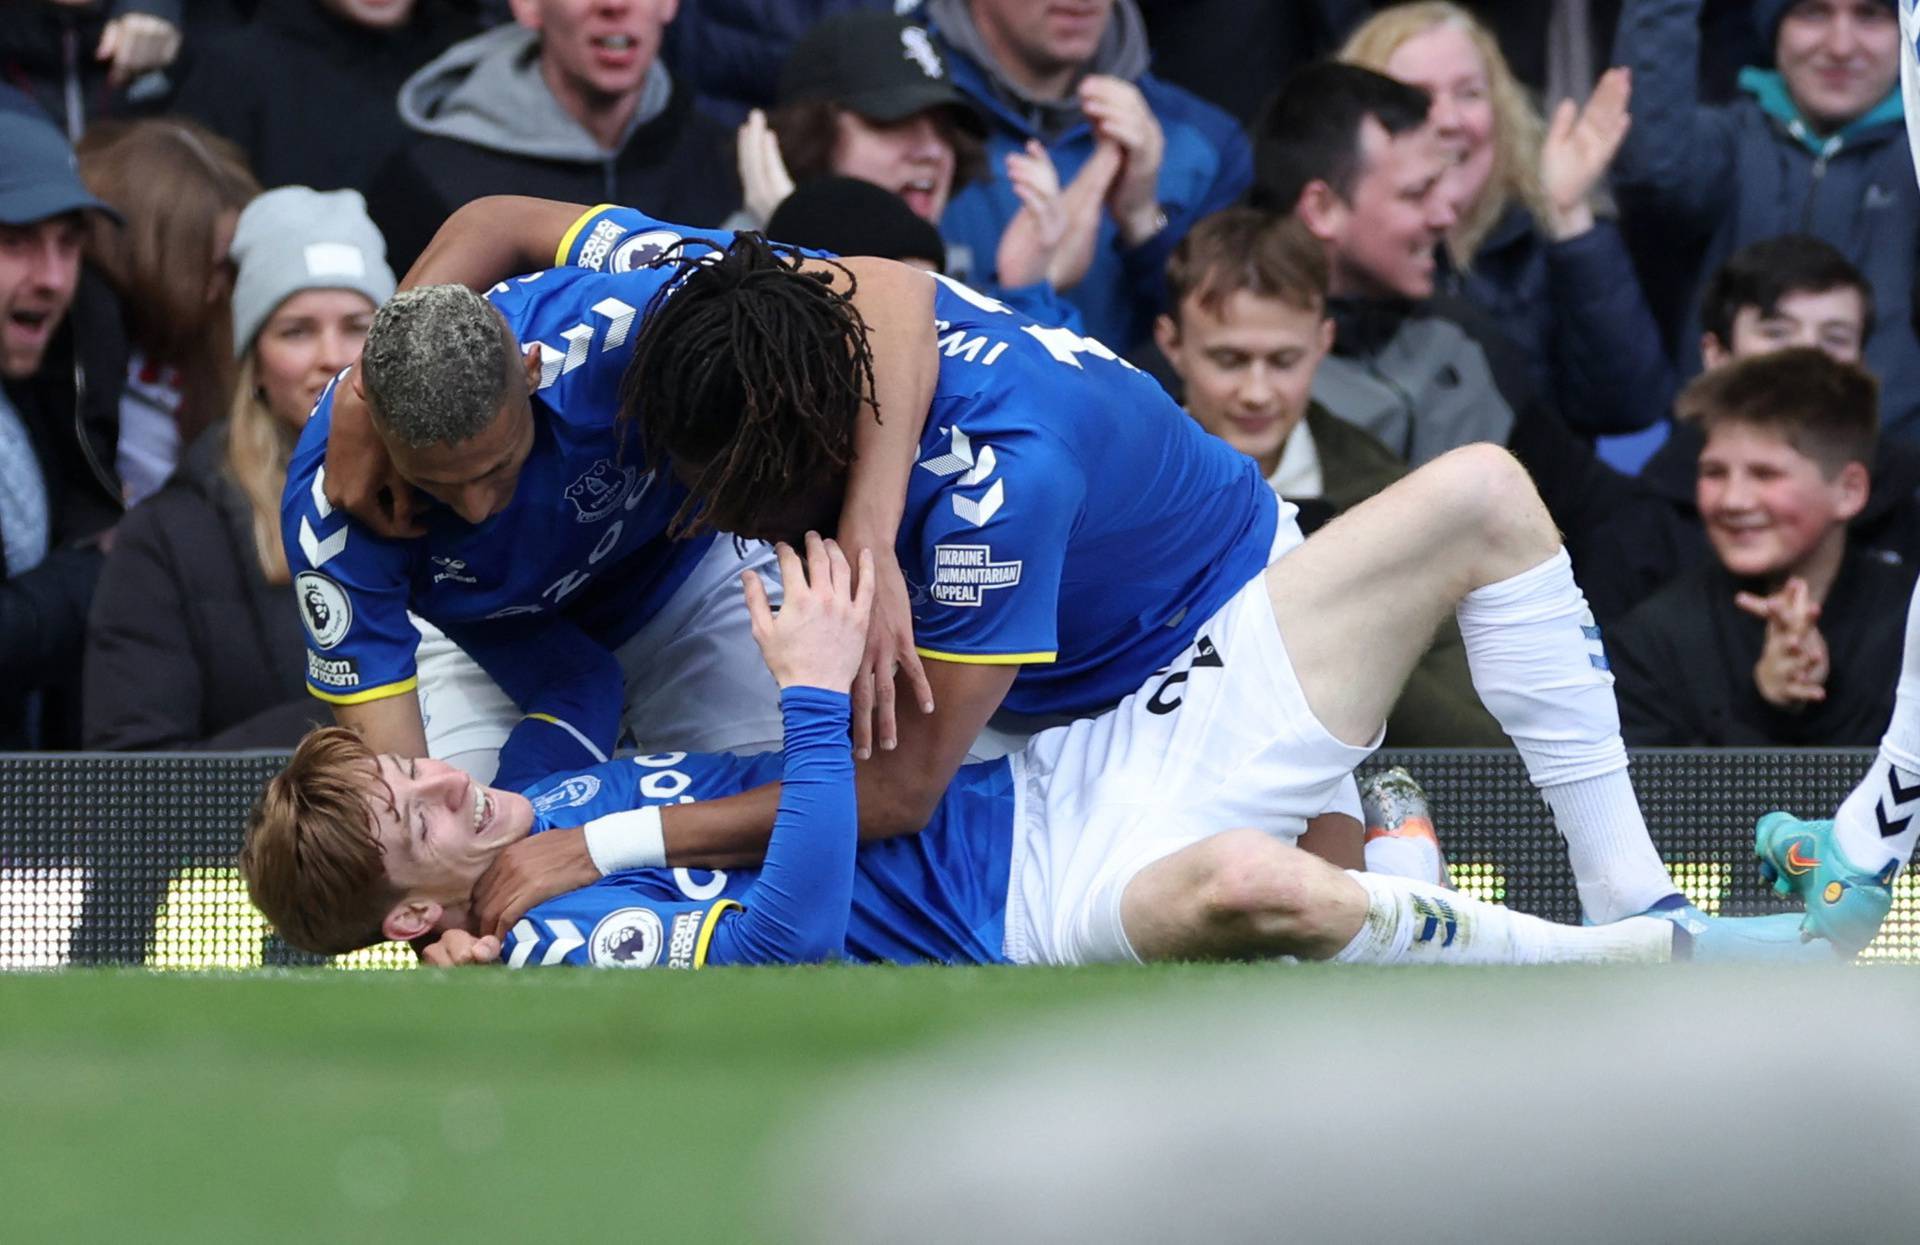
{"x": 572, "y": 234}
{"x": 695, "y": 954}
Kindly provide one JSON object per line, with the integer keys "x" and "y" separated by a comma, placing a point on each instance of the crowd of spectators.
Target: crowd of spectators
{"x": 1664, "y": 250}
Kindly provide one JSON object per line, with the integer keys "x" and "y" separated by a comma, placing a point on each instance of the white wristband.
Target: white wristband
{"x": 629, "y": 840}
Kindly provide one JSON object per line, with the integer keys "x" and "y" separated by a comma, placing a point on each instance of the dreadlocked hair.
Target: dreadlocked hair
{"x": 750, "y": 372}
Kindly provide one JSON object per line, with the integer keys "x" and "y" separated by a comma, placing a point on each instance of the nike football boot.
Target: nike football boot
{"x": 1845, "y": 906}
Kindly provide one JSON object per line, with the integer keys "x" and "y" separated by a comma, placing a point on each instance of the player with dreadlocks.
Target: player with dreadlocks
{"x": 1070, "y": 539}
{"x": 748, "y": 338}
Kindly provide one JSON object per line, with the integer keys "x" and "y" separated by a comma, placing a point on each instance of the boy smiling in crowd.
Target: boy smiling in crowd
{"x": 1780, "y": 639}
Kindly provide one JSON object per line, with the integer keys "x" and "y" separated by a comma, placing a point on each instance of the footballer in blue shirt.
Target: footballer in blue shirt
{"x": 1103, "y": 841}
{"x": 1068, "y": 536}
{"x": 540, "y": 603}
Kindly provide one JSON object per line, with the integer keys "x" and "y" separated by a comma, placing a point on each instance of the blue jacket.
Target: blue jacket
{"x": 1207, "y": 165}
{"x": 1576, "y": 312}
{"x": 1717, "y": 178}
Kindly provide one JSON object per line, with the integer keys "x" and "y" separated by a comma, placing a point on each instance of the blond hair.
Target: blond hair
{"x": 259, "y": 445}
{"x": 1518, "y": 129}
{"x": 311, "y": 860}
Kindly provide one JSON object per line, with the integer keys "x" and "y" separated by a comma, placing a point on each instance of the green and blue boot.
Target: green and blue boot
{"x": 1845, "y": 906}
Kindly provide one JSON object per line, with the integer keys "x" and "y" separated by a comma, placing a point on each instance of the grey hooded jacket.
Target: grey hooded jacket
{"x": 486, "y": 123}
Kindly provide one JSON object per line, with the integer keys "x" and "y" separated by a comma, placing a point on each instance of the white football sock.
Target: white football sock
{"x": 1888, "y": 798}
{"x": 1537, "y": 664}
{"x": 1412, "y": 922}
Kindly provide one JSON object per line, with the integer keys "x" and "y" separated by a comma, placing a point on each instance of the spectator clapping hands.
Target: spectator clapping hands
{"x": 1121, "y": 117}
{"x": 764, "y": 180}
{"x": 1793, "y": 666}
{"x": 1051, "y": 238}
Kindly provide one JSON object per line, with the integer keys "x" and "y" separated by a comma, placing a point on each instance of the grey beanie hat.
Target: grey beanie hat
{"x": 294, "y": 239}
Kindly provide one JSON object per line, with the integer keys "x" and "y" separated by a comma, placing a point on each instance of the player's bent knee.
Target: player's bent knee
{"x": 1490, "y": 492}
{"x": 1263, "y": 893}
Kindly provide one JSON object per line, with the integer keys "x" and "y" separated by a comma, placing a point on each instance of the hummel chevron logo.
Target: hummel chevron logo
{"x": 319, "y": 552}
{"x": 978, "y": 512}
{"x": 524, "y": 935}
{"x": 557, "y": 363}
{"x": 958, "y": 458}
{"x": 1897, "y": 795}
{"x": 321, "y": 506}
{"x": 566, "y": 936}
{"x": 619, "y": 322}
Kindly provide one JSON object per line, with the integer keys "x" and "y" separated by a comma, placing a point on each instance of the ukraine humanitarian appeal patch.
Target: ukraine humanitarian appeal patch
{"x": 964, "y": 574}
{"x": 324, "y": 608}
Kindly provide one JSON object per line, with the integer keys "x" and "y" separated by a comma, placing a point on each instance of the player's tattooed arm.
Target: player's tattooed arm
{"x": 491, "y": 239}
{"x": 897, "y": 304}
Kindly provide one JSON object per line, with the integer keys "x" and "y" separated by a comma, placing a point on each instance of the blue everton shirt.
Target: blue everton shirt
{"x": 1065, "y": 514}
{"x": 938, "y": 896}
{"x": 540, "y": 593}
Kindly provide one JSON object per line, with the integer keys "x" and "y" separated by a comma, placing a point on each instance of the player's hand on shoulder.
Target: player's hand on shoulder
{"x": 361, "y": 478}
{"x": 819, "y": 637}
{"x": 458, "y": 949}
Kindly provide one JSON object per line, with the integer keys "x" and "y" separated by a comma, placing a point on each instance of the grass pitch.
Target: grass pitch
{"x": 328, "y": 1106}
{"x": 320, "y": 1105}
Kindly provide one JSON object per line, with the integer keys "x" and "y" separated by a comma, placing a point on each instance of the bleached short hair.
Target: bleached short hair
{"x": 438, "y": 363}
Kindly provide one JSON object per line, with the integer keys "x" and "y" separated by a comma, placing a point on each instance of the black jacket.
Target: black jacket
{"x": 1683, "y": 662}
{"x": 309, "y": 95}
{"x": 188, "y": 645}
{"x": 1653, "y": 532}
{"x": 70, "y": 408}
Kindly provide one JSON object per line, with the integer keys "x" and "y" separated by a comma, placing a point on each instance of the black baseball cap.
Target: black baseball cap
{"x": 847, "y": 216}
{"x": 39, "y": 177}
{"x": 883, "y": 67}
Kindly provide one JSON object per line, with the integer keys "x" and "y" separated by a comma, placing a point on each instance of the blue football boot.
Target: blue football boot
{"x": 1738, "y": 939}
{"x": 1844, "y": 905}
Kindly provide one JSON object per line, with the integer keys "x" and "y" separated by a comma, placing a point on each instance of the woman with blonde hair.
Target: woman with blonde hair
{"x": 180, "y": 188}
{"x": 1528, "y": 248}
{"x": 194, "y": 640}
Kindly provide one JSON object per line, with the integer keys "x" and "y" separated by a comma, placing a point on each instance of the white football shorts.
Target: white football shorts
{"x": 1222, "y": 739}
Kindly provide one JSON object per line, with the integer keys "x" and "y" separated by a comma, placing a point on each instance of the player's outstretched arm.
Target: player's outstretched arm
{"x": 493, "y": 238}
{"x": 797, "y": 909}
